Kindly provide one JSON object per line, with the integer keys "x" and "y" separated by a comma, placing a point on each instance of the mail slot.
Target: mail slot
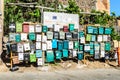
{"x": 38, "y": 53}
{"x": 17, "y": 38}
{"x": 25, "y": 27}
{"x": 56, "y": 35}
{"x": 18, "y": 27}
{"x": 32, "y": 36}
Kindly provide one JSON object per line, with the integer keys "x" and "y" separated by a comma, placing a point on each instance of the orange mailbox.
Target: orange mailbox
{"x": 118, "y": 56}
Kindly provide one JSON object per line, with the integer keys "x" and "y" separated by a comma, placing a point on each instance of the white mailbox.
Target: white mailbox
{"x": 20, "y": 56}
{"x": 20, "y": 47}
{"x": 38, "y": 28}
{"x": 38, "y": 37}
{"x": 71, "y": 45}
{"x": 39, "y": 61}
{"x": 31, "y": 28}
{"x": 38, "y": 45}
{"x": 44, "y": 38}
{"x": 56, "y": 27}
{"x": 24, "y": 36}
{"x": 49, "y": 45}
{"x": 44, "y": 46}
{"x": 26, "y": 46}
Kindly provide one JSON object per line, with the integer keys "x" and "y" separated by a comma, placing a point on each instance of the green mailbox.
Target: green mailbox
{"x": 17, "y": 38}
{"x": 58, "y": 54}
{"x": 81, "y": 47}
{"x": 32, "y": 58}
{"x": 80, "y": 55}
{"x": 31, "y": 36}
{"x": 49, "y": 56}
{"x": 88, "y": 37}
{"x": 107, "y": 46}
{"x": 65, "y": 53}
{"x": 71, "y": 27}
{"x": 44, "y": 29}
{"x": 18, "y": 27}
{"x": 76, "y": 45}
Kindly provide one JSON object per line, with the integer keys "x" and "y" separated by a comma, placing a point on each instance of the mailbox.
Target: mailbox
{"x": 38, "y": 53}
{"x": 18, "y": 27}
{"x": 25, "y": 27}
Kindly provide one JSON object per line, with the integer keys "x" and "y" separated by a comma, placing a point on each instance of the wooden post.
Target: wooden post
{"x": 1, "y": 24}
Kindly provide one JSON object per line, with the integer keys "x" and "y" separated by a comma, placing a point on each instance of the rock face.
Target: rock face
{"x": 88, "y": 5}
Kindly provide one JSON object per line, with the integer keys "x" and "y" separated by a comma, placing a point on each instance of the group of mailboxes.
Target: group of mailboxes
{"x": 26, "y": 27}
{"x": 29, "y": 27}
{"x": 18, "y": 37}
{"x": 31, "y": 43}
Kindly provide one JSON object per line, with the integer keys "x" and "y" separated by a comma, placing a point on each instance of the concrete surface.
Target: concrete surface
{"x": 81, "y": 74}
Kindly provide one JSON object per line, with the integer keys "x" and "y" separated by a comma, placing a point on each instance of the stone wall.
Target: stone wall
{"x": 88, "y": 5}
{"x": 103, "y": 5}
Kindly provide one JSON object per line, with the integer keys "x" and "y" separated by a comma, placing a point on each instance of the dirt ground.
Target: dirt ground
{"x": 67, "y": 65}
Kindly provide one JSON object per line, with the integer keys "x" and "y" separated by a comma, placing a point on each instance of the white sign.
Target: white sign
{"x": 50, "y": 18}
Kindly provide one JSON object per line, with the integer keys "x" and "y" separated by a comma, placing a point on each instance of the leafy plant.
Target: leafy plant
{"x": 72, "y": 7}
